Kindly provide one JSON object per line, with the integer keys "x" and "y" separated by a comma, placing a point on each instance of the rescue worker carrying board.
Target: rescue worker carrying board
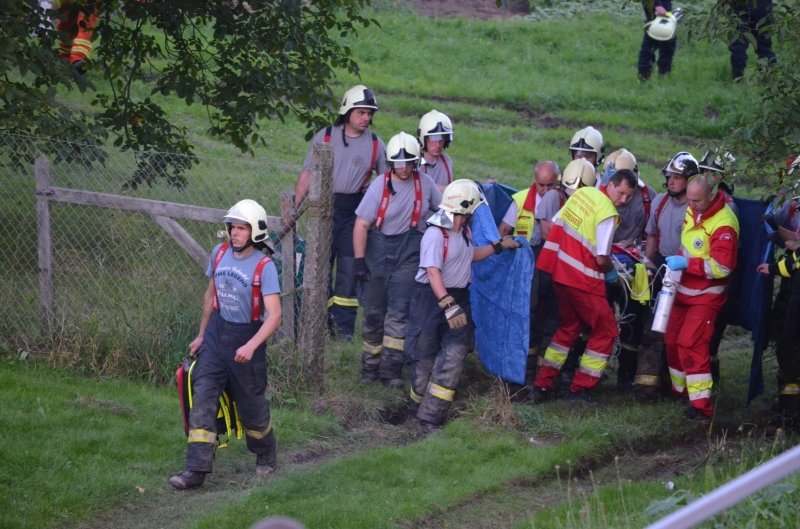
{"x": 357, "y": 152}
{"x": 386, "y": 238}
{"x": 241, "y": 310}
{"x": 440, "y": 329}
{"x": 577, "y": 255}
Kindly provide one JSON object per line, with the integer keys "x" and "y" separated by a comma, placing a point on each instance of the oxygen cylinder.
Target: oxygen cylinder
{"x": 665, "y": 300}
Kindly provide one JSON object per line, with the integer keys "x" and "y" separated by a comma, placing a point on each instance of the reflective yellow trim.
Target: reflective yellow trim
{"x": 646, "y": 380}
{"x": 678, "y": 380}
{"x": 393, "y": 343}
{"x": 201, "y": 436}
{"x": 555, "y": 356}
{"x": 259, "y": 434}
{"x": 342, "y": 301}
{"x": 699, "y": 386}
{"x": 783, "y": 269}
{"x": 790, "y": 389}
{"x": 372, "y": 349}
{"x": 441, "y": 392}
{"x": 416, "y": 397}
{"x": 593, "y": 363}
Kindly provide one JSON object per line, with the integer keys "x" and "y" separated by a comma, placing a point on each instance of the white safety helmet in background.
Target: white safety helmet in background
{"x": 578, "y": 173}
{"x": 662, "y": 28}
{"x": 719, "y": 163}
{"x": 358, "y": 97}
{"x": 403, "y": 147}
{"x": 621, "y": 159}
{"x": 588, "y": 139}
{"x": 683, "y": 164}
{"x": 461, "y": 196}
{"x": 436, "y": 124}
{"x": 249, "y": 212}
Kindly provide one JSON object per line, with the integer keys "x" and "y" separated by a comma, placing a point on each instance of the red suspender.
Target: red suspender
{"x": 658, "y": 215}
{"x": 365, "y": 183}
{"x": 217, "y": 258}
{"x": 256, "y": 314}
{"x": 417, "y": 211}
{"x": 446, "y": 244}
{"x": 646, "y": 200}
{"x": 447, "y": 168}
{"x": 256, "y": 301}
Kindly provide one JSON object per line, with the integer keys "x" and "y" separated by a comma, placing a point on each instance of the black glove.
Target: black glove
{"x": 776, "y": 239}
{"x": 360, "y": 270}
{"x": 456, "y": 317}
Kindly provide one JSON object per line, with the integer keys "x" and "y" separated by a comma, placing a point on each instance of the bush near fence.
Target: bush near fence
{"x": 127, "y": 297}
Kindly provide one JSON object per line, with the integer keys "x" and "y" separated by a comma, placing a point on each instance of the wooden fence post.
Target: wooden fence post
{"x": 288, "y": 268}
{"x": 47, "y": 292}
{"x": 314, "y": 313}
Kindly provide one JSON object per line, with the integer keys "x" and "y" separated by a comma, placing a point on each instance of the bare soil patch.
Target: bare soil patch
{"x": 481, "y": 9}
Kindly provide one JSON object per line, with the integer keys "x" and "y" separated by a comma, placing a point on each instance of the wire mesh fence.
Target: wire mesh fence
{"x": 126, "y": 295}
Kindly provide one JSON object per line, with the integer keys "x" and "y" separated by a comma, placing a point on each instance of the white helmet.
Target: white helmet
{"x": 621, "y": 159}
{"x": 578, "y": 173}
{"x": 461, "y": 196}
{"x": 358, "y": 97}
{"x": 662, "y": 28}
{"x": 403, "y": 147}
{"x": 682, "y": 163}
{"x": 590, "y": 140}
{"x": 249, "y": 212}
{"x": 719, "y": 163}
{"x": 435, "y": 123}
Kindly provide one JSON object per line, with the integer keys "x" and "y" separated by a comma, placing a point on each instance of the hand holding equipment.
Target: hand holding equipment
{"x": 456, "y": 317}
{"x": 677, "y": 262}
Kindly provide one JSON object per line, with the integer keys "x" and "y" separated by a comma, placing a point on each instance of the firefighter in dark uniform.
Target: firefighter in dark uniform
{"x": 755, "y": 16}
{"x": 386, "y": 238}
{"x": 357, "y": 152}
{"x": 440, "y": 329}
{"x": 661, "y": 38}
{"x": 241, "y": 310}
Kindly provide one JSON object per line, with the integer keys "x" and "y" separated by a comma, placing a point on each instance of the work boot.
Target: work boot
{"x": 693, "y": 414}
{"x": 267, "y": 462}
{"x": 581, "y": 396}
{"x": 188, "y": 479}
{"x": 539, "y": 395}
{"x": 428, "y": 428}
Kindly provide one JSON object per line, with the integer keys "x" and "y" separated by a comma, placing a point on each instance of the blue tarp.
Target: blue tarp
{"x": 752, "y": 291}
{"x": 500, "y": 296}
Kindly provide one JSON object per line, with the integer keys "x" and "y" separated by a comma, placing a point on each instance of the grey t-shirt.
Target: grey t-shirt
{"x": 233, "y": 279}
{"x": 351, "y": 162}
{"x": 670, "y": 224}
{"x": 632, "y": 217}
{"x": 401, "y": 204}
{"x": 441, "y": 171}
{"x": 457, "y": 268}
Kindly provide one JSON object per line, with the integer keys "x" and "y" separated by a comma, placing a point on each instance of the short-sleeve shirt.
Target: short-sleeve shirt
{"x": 441, "y": 171}
{"x": 233, "y": 279}
{"x": 632, "y": 217}
{"x": 350, "y": 162}
{"x": 397, "y": 218}
{"x": 457, "y": 268}
{"x": 669, "y": 226}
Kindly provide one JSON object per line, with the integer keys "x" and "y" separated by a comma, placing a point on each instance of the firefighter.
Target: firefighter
{"x": 663, "y": 239}
{"x": 357, "y": 152}
{"x": 440, "y": 329}
{"x": 576, "y": 254}
{"x": 388, "y": 230}
{"x": 241, "y": 310}
{"x": 523, "y": 217}
{"x": 435, "y": 134}
{"x": 588, "y": 144}
{"x": 75, "y": 25}
{"x": 755, "y": 19}
{"x": 659, "y": 36}
{"x": 787, "y": 348}
{"x": 707, "y": 257}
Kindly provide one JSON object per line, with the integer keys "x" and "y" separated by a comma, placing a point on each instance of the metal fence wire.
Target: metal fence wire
{"x": 127, "y": 297}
